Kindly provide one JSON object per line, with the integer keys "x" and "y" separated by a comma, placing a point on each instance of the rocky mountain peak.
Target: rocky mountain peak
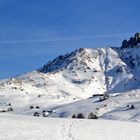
{"x": 132, "y": 42}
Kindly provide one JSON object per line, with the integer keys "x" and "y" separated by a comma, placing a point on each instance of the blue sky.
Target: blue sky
{"x": 35, "y": 31}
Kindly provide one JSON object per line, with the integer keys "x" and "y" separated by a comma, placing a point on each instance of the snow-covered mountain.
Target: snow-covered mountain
{"x": 81, "y": 74}
{"x": 74, "y": 76}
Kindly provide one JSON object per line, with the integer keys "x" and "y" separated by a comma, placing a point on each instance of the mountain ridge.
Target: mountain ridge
{"x": 104, "y": 66}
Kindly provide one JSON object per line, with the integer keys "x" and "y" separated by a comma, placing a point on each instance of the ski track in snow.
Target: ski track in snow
{"x": 65, "y": 132}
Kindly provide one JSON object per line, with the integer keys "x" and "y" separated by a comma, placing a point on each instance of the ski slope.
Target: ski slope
{"x": 16, "y": 127}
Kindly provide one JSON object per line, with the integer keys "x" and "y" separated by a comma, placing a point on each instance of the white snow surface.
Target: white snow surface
{"x": 16, "y": 127}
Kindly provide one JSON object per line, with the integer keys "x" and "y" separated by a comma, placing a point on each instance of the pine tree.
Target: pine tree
{"x": 80, "y": 116}
{"x": 92, "y": 116}
{"x": 132, "y": 107}
{"x": 73, "y": 116}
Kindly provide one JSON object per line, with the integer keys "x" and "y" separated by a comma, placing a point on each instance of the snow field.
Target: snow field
{"x": 13, "y": 127}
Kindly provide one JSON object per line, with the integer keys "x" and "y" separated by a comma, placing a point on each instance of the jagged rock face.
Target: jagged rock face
{"x": 132, "y": 42}
{"x": 81, "y": 74}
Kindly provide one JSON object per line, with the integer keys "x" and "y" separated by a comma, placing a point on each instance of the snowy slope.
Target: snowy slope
{"x": 73, "y": 77}
{"x": 22, "y": 127}
{"x": 115, "y": 107}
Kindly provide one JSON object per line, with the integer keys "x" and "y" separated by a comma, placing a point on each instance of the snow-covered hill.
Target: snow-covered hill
{"x": 124, "y": 107}
{"x": 76, "y": 76}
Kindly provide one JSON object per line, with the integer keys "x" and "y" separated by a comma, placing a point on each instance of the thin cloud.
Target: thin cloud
{"x": 63, "y": 39}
